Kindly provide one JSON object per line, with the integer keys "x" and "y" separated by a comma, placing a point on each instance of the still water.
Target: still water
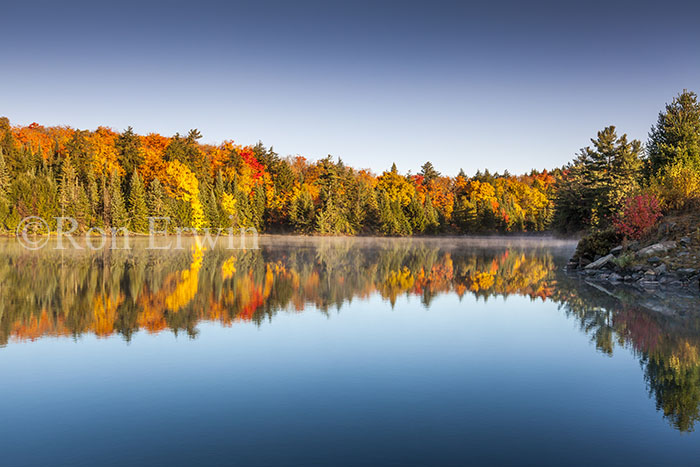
{"x": 340, "y": 352}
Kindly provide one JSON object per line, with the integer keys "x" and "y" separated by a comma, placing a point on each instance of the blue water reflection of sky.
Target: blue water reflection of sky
{"x": 509, "y": 380}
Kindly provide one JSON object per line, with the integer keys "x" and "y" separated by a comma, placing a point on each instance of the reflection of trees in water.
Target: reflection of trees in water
{"x": 121, "y": 292}
{"x": 666, "y": 343}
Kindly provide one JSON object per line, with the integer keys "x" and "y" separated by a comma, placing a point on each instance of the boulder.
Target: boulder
{"x": 599, "y": 263}
{"x": 657, "y": 248}
{"x": 685, "y": 241}
{"x": 616, "y": 251}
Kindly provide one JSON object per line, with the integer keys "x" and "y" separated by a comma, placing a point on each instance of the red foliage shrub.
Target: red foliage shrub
{"x": 640, "y": 214}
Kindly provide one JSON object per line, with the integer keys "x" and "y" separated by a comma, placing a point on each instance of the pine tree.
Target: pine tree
{"x": 93, "y": 199}
{"x": 117, "y": 210}
{"x": 138, "y": 208}
{"x": 676, "y": 135}
{"x": 428, "y": 171}
{"x": 128, "y": 145}
{"x": 73, "y": 200}
{"x": 416, "y": 215}
{"x": 431, "y": 215}
{"x": 159, "y": 205}
{"x": 258, "y": 207}
{"x": 392, "y": 220}
{"x": 211, "y": 208}
{"x": 301, "y": 211}
{"x": 4, "y": 190}
{"x": 591, "y": 191}
{"x": 610, "y": 170}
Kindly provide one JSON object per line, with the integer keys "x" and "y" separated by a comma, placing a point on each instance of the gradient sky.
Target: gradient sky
{"x": 516, "y": 85}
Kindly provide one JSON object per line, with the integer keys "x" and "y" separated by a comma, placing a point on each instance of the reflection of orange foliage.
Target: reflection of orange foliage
{"x": 105, "y": 314}
{"x": 245, "y": 291}
{"x": 37, "y": 327}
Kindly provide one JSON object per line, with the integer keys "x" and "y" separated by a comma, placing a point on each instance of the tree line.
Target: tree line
{"x": 107, "y": 179}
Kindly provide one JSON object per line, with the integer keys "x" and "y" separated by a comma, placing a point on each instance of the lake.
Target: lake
{"x": 339, "y": 351}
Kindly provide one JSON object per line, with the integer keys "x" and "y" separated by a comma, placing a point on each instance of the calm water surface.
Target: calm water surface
{"x": 340, "y": 352}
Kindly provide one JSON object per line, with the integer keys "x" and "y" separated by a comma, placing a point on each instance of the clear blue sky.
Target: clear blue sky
{"x": 514, "y": 85}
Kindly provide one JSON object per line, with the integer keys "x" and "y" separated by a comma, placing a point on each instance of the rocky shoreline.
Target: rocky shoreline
{"x": 668, "y": 264}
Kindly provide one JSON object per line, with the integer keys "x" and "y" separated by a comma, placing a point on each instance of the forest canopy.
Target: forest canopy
{"x": 107, "y": 179}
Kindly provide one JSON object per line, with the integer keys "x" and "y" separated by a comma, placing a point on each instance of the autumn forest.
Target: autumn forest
{"x": 108, "y": 179}
{"x": 104, "y": 178}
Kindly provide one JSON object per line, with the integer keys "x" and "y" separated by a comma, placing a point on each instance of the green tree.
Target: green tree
{"x": 676, "y": 135}
{"x": 415, "y": 213}
{"x": 392, "y": 220}
{"x": 301, "y": 211}
{"x": 117, "y": 210}
{"x": 431, "y": 215}
{"x": 428, "y": 171}
{"x": 129, "y": 154}
{"x": 591, "y": 191}
{"x": 4, "y": 190}
{"x": 156, "y": 200}
{"x": 73, "y": 199}
{"x": 138, "y": 207}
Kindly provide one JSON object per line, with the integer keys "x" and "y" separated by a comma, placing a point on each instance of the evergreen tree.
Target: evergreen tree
{"x": 225, "y": 207}
{"x": 431, "y": 215}
{"x": 416, "y": 215}
{"x": 138, "y": 208}
{"x": 117, "y": 210}
{"x": 428, "y": 171}
{"x": 258, "y": 207}
{"x": 156, "y": 200}
{"x": 129, "y": 153}
{"x": 4, "y": 190}
{"x": 592, "y": 190}
{"x": 301, "y": 211}
{"x": 676, "y": 135}
{"x": 93, "y": 199}
{"x": 73, "y": 200}
{"x": 392, "y": 220}
{"x": 610, "y": 169}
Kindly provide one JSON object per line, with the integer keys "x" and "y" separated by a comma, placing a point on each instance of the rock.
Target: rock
{"x": 600, "y": 262}
{"x": 649, "y": 273}
{"x": 685, "y": 241}
{"x": 616, "y": 251}
{"x": 654, "y": 260}
{"x": 660, "y": 269}
{"x": 657, "y": 248}
{"x": 667, "y": 227}
{"x": 686, "y": 272}
{"x": 614, "y": 277}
